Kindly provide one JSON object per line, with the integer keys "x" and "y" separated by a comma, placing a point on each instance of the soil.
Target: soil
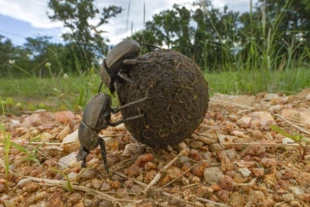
{"x": 232, "y": 159}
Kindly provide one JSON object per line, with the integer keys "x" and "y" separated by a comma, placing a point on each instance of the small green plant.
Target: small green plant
{"x": 69, "y": 185}
{"x": 297, "y": 138}
{"x": 9, "y": 101}
{"x": 7, "y": 145}
{"x": 32, "y": 154}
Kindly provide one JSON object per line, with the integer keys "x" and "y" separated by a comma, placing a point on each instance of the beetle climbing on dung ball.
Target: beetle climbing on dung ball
{"x": 117, "y": 63}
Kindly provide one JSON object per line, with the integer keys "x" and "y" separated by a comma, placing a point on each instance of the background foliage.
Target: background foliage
{"x": 276, "y": 31}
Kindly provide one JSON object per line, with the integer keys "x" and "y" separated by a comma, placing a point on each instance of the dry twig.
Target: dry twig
{"x": 212, "y": 202}
{"x": 49, "y": 182}
{"x": 234, "y": 104}
{"x": 159, "y": 174}
{"x": 294, "y": 125}
{"x": 262, "y": 144}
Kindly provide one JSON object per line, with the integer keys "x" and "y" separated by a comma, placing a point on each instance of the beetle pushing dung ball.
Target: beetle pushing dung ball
{"x": 96, "y": 117}
{"x": 163, "y": 97}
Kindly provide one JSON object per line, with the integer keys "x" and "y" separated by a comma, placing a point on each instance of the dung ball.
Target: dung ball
{"x": 178, "y": 98}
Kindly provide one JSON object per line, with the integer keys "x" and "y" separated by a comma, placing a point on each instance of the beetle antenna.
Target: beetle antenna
{"x": 149, "y": 45}
{"x": 99, "y": 89}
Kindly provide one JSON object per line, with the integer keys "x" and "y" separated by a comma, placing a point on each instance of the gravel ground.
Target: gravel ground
{"x": 232, "y": 159}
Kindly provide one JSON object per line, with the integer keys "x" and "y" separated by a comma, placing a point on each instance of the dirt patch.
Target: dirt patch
{"x": 233, "y": 159}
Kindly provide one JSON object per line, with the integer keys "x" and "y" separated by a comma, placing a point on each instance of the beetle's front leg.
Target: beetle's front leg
{"x": 129, "y": 104}
{"x": 101, "y": 143}
{"x": 124, "y": 77}
{"x": 124, "y": 120}
{"x": 134, "y": 61}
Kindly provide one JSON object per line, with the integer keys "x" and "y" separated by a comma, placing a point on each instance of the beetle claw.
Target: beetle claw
{"x": 82, "y": 154}
{"x": 101, "y": 143}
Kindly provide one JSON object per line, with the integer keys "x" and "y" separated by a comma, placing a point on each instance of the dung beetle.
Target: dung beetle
{"x": 97, "y": 116}
{"x": 118, "y": 61}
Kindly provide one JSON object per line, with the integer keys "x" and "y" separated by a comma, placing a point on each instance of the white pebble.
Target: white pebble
{"x": 245, "y": 172}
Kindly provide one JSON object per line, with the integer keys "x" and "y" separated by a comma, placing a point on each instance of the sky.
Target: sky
{"x": 28, "y": 18}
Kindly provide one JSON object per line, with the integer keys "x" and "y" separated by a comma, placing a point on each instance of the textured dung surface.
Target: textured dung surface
{"x": 178, "y": 98}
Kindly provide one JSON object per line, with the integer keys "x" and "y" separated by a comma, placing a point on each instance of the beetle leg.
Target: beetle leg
{"x": 129, "y": 104}
{"x": 124, "y": 120}
{"x": 124, "y": 77}
{"x": 101, "y": 143}
{"x": 134, "y": 61}
{"x": 82, "y": 154}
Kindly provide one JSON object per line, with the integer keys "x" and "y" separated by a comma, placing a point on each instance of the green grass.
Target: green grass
{"x": 48, "y": 93}
{"x": 73, "y": 93}
{"x": 253, "y": 82}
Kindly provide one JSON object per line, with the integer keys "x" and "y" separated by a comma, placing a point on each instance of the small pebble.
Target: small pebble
{"x": 143, "y": 159}
{"x": 195, "y": 155}
{"x": 2, "y": 188}
{"x": 150, "y": 166}
{"x": 213, "y": 175}
{"x": 227, "y": 183}
{"x": 88, "y": 174}
{"x": 303, "y": 179}
{"x": 245, "y": 172}
{"x": 31, "y": 187}
{"x": 88, "y": 202}
{"x": 73, "y": 176}
{"x": 9, "y": 203}
{"x": 269, "y": 162}
{"x": 295, "y": 204}
{"x": 196, "y": 144}
{"x": 96, "y": 183}
{"x": 105, "y": 186}
{"x": 223, "y": 195}
{"x": 258, "y": 172}
{"x": 215, "y": 147}
{"x": 134, "y": 171}
{"x": 256, "y": 198}
{"x": 194, "y": 179}
{"x": 115, "y": 184}
{"x": 136, "y": 189}
{"x": 129, "y": 183}
{"x": 149, "y": 176}
{"x": 198, "y": 170}
{"x": 296, "y": 190}
{"x": 288, "y": 197}
{"x": 117, "y": 177}
{"x": 237, "y": 200}
{"x": 75, "y": 197}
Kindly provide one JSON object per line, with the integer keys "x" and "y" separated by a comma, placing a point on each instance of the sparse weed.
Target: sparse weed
{"x": 302, "y": 141}
{"x": 7, "y": 143}
{"x": 69, "y": 185}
